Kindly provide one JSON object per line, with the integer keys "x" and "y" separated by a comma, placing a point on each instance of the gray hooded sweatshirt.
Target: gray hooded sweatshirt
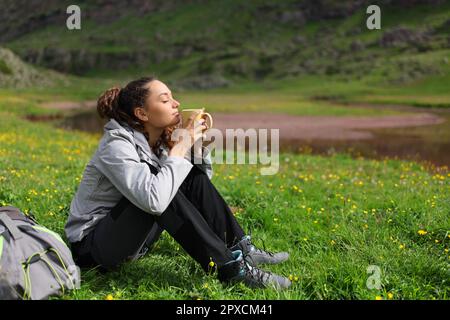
{"x": 120, "y": 168}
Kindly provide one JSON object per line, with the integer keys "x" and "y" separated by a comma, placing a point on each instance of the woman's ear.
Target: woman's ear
{"x": 141, "y": 114}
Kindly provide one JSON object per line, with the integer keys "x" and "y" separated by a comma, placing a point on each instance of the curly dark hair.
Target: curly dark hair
{"x": 119, "y": 104}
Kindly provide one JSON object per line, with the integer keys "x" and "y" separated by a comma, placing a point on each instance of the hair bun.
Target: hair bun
{"x": 107, "y": 103}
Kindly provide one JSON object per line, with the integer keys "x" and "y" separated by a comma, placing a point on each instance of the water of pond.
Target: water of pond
{"x": 430, "y": 143}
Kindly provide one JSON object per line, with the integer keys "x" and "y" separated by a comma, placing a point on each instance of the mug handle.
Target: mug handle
{"x": 209, "y": 119}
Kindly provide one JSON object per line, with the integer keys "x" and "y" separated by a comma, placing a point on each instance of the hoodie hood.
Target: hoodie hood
{"x": 138, "y": 137}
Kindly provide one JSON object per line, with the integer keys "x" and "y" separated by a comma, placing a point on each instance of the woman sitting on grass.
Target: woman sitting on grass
{"x": 140, "y": 182}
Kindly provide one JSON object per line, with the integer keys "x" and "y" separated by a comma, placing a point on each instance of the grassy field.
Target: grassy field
{"x": 336, "y": 215}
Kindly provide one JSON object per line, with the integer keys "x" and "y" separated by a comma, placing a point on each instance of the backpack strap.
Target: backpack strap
{"x": 9, "y": 224}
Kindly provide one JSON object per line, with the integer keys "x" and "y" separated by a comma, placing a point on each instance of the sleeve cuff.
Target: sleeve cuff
{"x": 190, "y": 155}
{"x": 201, "y": 160}
{"x": 205, "y": 151}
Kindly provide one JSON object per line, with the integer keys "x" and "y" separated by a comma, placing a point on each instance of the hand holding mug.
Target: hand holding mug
{"x": 197, "y": 114}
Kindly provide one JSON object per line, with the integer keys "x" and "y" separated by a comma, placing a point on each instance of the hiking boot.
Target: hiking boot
{"x": 255, "y": 256}
{"x": 239, "y": 270}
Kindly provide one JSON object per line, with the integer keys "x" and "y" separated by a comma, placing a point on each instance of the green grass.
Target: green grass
{"x": 335, "y": 215}
{"x": 4, "y": 68}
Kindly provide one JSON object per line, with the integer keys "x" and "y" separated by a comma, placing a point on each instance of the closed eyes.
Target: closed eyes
{"x": 168, "y": 100}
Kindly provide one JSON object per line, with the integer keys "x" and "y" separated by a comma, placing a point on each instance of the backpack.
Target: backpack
{"x": 35, "y": 263}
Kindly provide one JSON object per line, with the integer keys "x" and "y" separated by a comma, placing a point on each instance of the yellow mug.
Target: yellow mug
{"x": 186, "y": 113}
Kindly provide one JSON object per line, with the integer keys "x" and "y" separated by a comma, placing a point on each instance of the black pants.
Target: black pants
{"x": 198, "y": 218}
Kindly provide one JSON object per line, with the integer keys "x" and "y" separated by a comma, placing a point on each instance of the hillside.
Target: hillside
{"x": 214, "y": 43}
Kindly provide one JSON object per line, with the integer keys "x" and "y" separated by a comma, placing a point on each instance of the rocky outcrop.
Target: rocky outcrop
{"x": 14, "y": 73}
{"x": 403, "y": 36}
{"x": 203, "y": 82}
{"x": 82, "y": 60}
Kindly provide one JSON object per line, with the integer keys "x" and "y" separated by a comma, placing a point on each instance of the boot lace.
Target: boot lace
{"x": 256, "y": 273}
{"x": 258, "y": 250}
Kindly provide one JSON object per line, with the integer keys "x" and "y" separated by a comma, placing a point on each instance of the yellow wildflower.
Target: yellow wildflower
{"x": 422, "y": 232}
